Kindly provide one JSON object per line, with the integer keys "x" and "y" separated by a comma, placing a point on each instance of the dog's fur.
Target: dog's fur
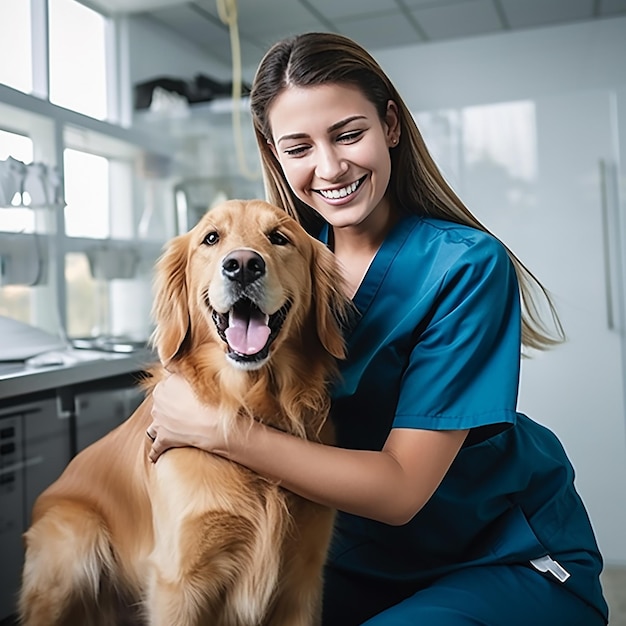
{"x": 193, "y": 538}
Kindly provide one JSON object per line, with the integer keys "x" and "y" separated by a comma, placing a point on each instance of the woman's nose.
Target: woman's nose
{"x": 330, "y": 165}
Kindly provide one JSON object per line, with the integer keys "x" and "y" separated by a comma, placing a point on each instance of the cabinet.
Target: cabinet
{"x": 34, "y": 449}
{"x": 37, "y": 440}
{"x": 100, "y": 411}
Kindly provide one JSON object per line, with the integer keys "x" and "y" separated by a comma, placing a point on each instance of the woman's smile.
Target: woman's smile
{"x": 341, "y": 195}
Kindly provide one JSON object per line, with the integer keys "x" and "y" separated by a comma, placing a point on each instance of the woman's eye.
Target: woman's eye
{"x": 295, "y": 151}
{"x": 277, "y": 239}
{"x": 211, "y": 238}
{"x": 350, "y": 137}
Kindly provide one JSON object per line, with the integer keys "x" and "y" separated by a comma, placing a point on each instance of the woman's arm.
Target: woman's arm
{"x": 390, "y": 485}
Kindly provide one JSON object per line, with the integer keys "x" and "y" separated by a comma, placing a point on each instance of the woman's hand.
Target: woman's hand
{"x": 390, "y": 485}
{"x": 179, "y": 419}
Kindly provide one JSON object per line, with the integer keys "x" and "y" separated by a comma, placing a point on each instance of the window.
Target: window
{"x": 78, "y": 56}
{"x": 86, "y": 195}
{"x": 23, "y": 257}
{"x": 15, "y": 45}
{"x": 78, "y": 244}
{"x": 77, "y": 53}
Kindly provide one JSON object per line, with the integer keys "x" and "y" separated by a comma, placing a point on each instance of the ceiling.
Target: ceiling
{"x": 375, "y": 24}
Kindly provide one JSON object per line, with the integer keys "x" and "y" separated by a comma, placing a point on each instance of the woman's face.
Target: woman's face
{"x": 334, "y": 151}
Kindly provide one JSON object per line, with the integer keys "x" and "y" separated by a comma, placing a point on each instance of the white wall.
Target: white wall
{"x": 509, "y": 66}
{"x": 154, "y": 51}
{"x": 574, "y": 78}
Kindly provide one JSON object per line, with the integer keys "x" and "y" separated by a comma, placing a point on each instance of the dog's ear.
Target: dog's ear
{"x": 331, "y": 304}
{"x": 170, "y": 310}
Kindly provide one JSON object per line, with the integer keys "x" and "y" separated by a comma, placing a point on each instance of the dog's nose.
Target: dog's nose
{"x": 243, "y": 266}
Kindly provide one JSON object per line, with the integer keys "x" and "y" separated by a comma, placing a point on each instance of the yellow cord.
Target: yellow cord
{"x": 227, "y": 10}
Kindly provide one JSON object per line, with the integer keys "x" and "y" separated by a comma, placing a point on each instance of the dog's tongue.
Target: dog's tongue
{"x": 247, "y": 335}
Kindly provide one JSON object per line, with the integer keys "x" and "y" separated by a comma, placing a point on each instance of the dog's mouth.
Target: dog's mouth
{"x": 247, "y": 331}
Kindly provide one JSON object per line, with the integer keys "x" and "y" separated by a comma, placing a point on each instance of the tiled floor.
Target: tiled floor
{"x": 614, "y": 583}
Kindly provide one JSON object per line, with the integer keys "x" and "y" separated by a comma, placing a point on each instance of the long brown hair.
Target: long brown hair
{"x": 416, "y": 184}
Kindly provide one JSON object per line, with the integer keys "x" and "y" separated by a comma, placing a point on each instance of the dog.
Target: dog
{"x": 249, "y": 309}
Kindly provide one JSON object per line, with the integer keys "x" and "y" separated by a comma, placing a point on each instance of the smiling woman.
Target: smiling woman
{"x": 453, "y": 506}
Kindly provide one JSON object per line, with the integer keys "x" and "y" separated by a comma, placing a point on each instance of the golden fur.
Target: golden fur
{"x": 195, "y": 539}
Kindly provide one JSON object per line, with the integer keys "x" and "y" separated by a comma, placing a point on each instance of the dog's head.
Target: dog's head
{"x": 248, "y": 277}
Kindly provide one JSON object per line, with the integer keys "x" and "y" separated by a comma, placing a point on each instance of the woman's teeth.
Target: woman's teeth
{"x": 340, "y": 193}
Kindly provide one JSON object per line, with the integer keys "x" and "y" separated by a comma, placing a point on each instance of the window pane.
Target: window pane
{"x": 87, "y": 300}
{"x": 86, "y": 195}
{"x": 99, "y": 307}
{"x": 77, "y": 58}
{"x": 14, "y": 219}
{"x": 17, "y": 146}
{"x": 15, "y": 302}
{"x": 15, "y": 45}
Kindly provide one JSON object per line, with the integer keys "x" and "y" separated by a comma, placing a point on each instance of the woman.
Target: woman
{"x": 454, "y": 508}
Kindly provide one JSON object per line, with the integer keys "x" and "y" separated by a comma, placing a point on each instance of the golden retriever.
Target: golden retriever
{"x": 248, "y": 308}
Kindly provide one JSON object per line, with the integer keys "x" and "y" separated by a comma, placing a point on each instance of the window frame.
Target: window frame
{"x": 53, "y": 129}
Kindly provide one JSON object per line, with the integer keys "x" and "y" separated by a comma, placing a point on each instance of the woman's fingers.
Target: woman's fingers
{"x": 160, "y": 444}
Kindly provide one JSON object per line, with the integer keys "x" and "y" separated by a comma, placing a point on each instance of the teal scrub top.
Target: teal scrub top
{"x": 436, "y": 345}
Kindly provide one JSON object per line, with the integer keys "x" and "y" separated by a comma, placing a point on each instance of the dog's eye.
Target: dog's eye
{"x": 211, "y": 238}
{"x": 278, "y": 239}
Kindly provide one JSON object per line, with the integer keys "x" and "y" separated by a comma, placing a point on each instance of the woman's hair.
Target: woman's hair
{"x": 416, "y": 184}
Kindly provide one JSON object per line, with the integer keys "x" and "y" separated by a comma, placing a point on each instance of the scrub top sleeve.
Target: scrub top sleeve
{"x": 464, "y": 369}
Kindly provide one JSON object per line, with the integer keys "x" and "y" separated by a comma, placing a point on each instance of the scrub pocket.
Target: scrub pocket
{"x": 573, "y": 567}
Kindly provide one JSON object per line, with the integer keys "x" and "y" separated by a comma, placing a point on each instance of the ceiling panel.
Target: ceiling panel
{"x": 460, "y": 19}
{"x": 612, "y": 7}
{"x": 274, "y": 15}
{"x": 414, "y": 4}
{"x": 373, "y": 32}
{"x": 334, "y": 9}
{"x": 270, "y": 20}
{"x": 531, "y": 13}
{"x": 263, "y": 21}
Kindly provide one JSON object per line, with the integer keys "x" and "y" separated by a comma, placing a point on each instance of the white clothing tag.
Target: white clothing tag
{"x": 547, "y": 564}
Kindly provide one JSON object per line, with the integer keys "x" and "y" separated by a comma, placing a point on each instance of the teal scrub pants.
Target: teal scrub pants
{"x": 495, "y": 595}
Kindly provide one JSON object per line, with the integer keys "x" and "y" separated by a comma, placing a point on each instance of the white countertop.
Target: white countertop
{"x": 71, "y": 367}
